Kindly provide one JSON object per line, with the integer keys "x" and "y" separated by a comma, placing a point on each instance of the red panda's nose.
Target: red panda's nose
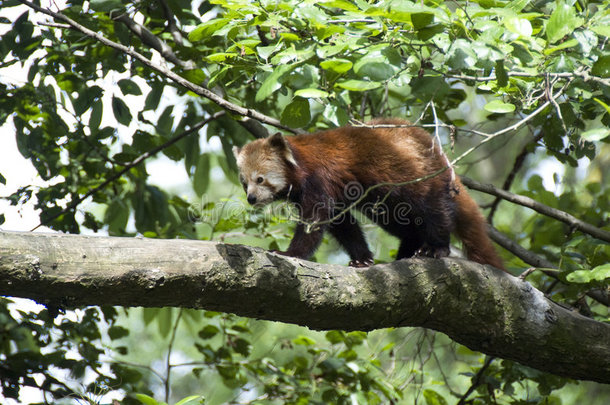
{"x": 251, "y": 199}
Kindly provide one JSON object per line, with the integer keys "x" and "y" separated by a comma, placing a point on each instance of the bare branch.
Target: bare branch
{"x": 478, "y": 306}
{"x": 539, "y": 207}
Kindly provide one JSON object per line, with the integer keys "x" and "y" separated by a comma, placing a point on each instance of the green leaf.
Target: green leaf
{"x": 208, "y": 331}
{"x": 201, "y": 178}
{"x": 296, "y": 114}
{"x": 596, "y": 134}
{"x": 358, "y": 85}
{"x": 602, "y": 30}
{"x": 303, "y": 341}
{"x": 128, "y": 86}
{"x": 600, "y": 102}
{"x": 599, "y": 273}
{"x": 341, "y": 4}
{"x": 116, "y": 216}
{"x": 563, "y": 21}
{"x": 434, "y": 398}
{"x": 153, "y": 97}
{"x": 337, "y": 65}
{"x": 184, "y": 401}
{"x": 207, "y": 29}
{"x": 601, "y": 67}
{"x": 497, "y": 106}
{"x": 220, "y": 56}
{"x": 146, "y": 400}
{"x": 95, "y": 119}
{"x": 567, "y": 44}
{"x": 335, "y": 113}
{"x": 335, "y": 336}
{"x": 501, "y": 75}
{"x": 165, "y": 123}
{"x": 421, "y": 20}
{"x": 117, "y": 332}
{"x": 311, "y": 93}
{"x": 105, "y": 5}
{"x": 519, "y": 26}
{"x": 272, "y": 82}
{"x": 121, "y": 111}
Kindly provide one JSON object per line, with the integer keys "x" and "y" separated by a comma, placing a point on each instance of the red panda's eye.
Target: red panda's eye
{"x": 259, "y": 179}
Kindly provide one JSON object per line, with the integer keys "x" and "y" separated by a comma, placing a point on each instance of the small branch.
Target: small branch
{"x": 169, "y": 355}
{"x": 202, "y": 91}
{"x": 565, "y": 75}
{"x": 540, "y": 208}
{"x": 538, "y": 262}
{"x": 128, "y": 167}
{"x": 171, "y": 23}
{"x": 519, "y": 160}
{"x": 548, "y": 89}
{"x": 476, "y": 380}
{"x": 153, "y": 41}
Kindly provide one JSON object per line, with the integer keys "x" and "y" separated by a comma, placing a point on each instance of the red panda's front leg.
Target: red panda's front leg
{"x": 304, "y": 244}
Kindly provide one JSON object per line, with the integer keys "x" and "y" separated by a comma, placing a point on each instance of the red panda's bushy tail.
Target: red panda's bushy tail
{"x": 471, "y": 228}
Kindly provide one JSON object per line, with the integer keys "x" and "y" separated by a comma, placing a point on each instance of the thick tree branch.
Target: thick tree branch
{"x": 478, "y": 306}
{"x": 200, "y": 90}
{"x": 539, "y": 207}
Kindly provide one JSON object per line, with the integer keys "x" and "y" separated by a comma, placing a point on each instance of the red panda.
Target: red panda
{"x": 396, "y": 175}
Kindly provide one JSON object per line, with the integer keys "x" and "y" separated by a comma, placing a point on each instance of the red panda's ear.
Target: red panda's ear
{"x": 278, "y": 142}
{"x": 236, "y": 150}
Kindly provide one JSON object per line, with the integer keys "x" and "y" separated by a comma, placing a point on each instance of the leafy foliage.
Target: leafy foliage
{"x": 89, "y": 117}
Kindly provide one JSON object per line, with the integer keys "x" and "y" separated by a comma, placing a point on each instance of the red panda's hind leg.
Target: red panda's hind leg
{"x": 435, "y": 252}
{"x": 348, "y": 233}
{"x": 409, "y": 245}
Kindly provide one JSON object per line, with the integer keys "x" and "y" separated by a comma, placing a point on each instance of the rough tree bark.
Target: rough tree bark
{"x": 478, "y": 306}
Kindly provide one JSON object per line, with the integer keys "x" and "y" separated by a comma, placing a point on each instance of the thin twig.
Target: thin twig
{"x": 476, "y": 380}
{"x": 130, "y": 165}
{"x": 169, "y": 355}
{"x": 582, "y": 74}
{"x": 519, "y": 161}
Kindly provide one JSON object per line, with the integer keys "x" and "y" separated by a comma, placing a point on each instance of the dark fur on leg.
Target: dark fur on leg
{"x": 348, "y": 233}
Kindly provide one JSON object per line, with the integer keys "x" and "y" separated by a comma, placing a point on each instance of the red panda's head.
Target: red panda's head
{"x": 263, "y": 166}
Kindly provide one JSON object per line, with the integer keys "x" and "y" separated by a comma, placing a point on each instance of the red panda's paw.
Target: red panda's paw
{"x": 362, "y": 263}
{"x": 279, "y": 252}
{"x": 435, "y": 252}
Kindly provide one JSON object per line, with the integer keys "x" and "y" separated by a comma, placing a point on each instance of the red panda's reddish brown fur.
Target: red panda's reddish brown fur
{"x": 316, "y": 171}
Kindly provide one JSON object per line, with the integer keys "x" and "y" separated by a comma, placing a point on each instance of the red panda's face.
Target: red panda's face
{"x": 262, "y": 171}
